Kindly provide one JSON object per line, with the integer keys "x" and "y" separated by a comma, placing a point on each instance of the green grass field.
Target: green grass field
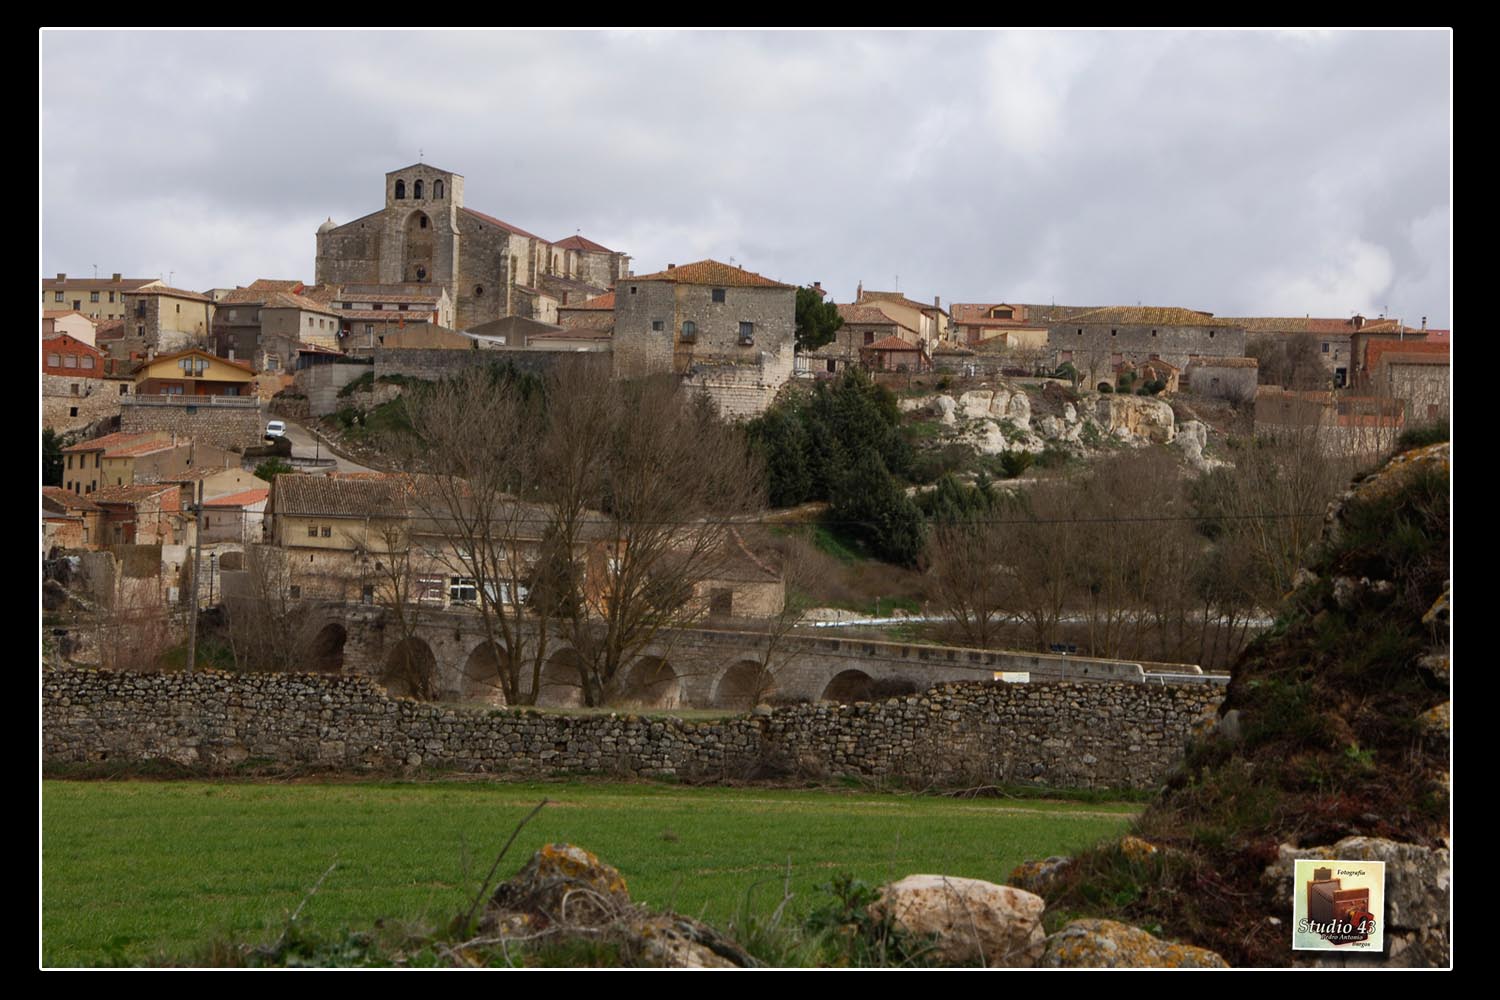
{"x": 138, "y": 871}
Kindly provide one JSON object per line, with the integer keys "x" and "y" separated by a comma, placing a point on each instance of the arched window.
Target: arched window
{"x": 689, "y": 330}
{"x": 416, "y": 190}
{"x": 437, "y": 190}
{"x": 478, "y": 291}
{"x": 423, "y": 221}
{"x": 400, "y": 190}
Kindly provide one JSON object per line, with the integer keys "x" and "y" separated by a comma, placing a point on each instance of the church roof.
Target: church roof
{"x": 582, "y": 243}
{"x": 711, "y": 272}
{"x": 424, "y": 166}
{"x": 503, "y": 225}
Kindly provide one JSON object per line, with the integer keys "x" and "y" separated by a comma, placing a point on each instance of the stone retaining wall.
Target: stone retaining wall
{"x": 227, "y": 426}
{"x": 1060, "y": 735}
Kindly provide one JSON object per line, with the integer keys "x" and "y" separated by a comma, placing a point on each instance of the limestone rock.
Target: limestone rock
{"x": 910, "y": 404}
{"x": 560, "y": 884}
{"x": 975, "y": 404}
{"x": 1000, "y": 404}
{"x": 1136, "y": 418}
{"x": 1019, "y": 410}
{"x": 1192, "y": 438}
{"x": 1438, "y": 664}
{"x": 943, "y": 408}
{"x": 1135, "y": 849}
{"x": 1038, "y": 876}
{"x": 974, "y": 922}
{"x": 1108, "y": 944}
{"x": 986, "y": 438}
{"x": 667, "y": 940}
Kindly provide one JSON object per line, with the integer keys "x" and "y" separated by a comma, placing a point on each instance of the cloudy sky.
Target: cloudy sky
{"x": 1242, "y": 173}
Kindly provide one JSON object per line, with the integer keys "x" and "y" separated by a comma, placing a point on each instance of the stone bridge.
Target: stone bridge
{"x": 698, "y": 667}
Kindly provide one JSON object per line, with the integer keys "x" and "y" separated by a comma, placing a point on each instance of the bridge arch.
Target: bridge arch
{"x": 651, "y": 683}
{"x": 562, "y": 680}
{"x": 744, "y": 685}
{"x": 326, "y": 652}
{"x": 849, "y": 686}
{"x": 410, "y": 670}
{"x": 481, "y": 676}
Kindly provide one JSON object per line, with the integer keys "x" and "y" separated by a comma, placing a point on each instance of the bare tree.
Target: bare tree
{"x": 970, "y": 579}
{"x": 644, "y": 480}
{"x": 478, "y": 437}
{"x": 269, "y": 622}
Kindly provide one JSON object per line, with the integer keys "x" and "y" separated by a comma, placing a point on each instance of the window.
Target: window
{"x": 327, "y": 531}
{"x": 462, "y": 590}
{"x": 689, "y": 331}
{"x": 869, "y": 336}
{"x": 369, "y": 328}
{"x": 478, "y": 291}
{"x": 632, "y": 289}
{"x": 416, "y": 192}
{"x": 179, "y": 308}
{"x": 430, "y": 589}
{"x": 93, "y": 296}
{"x": 1325, "y": 348}
{"x": 140, "y": 330}
{"x": 70, "y": 461}
{"x": 658, "y": 325}
{"x": 111, "y": 296}
{"x": 231, "y": 390}
{"x": 422, "y": 222}
{"x": 72, "y": 411}
{"x": 437, "y": 190}
{"x": 87, "y": 361}
{"x": 124, "y": 389}
{"x": 57, "y": 296}
{"x": 377, "y": 306}
{"x": 747, "y": 333}
{"x": 1153, "y": 333}
{"x": 718, "y": 295}
{"x": 54, "y": 360}
{"x": 1114, "y": 333}
{"x": 400, "y": 190}
{"x": 367, "y": 594}
{"x": 294, "y": 592}
{"x": 74, "y": 388}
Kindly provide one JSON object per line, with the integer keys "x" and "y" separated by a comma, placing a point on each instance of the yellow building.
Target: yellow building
{"x": 194, "y": 372}
{"x": 96, "y": 298}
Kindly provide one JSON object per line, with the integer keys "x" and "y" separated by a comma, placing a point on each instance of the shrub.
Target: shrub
{"x": 1013, "y": 463}
{"x": 1423, "y": 435}
{"x": 945, "y": 383}
{"x": 1106, "y": 387}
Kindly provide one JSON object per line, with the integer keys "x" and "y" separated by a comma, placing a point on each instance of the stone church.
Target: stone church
{"x": 491, "y": 269}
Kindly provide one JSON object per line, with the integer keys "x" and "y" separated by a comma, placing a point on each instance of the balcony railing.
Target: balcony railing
{"x": 183, "y": 399}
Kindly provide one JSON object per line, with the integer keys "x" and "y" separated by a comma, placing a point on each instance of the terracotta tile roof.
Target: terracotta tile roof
{"x": 67, "y": 499}
{"x": 243, "y": 297}
{"x": 321, "y": 293}
{"x": 243, "y": 499}
{"x": 176, "y": 293}
{"x": 503, "y": 225}
{"x": 1290, "y": 324}
{"x": 397, "y": 315}
{"x": 286, "y": 300}
{"x": 119, "y": 439}
{"x": 1416, "y": 350}
{"x": 900, "y": 299}
{"x": 582, "y": 243}
{"x": 711, "y": 272}
{"x": 865, "y": 315}
{"x": 1147, "y": 315}
{"x": 277, "y": 285}
{"x": 125, "y": 284}
{"x": 60, "y": 313}
{"x": 137, "y": 450}
{"x": 369, "y": 495}
{"x": 605, "y": 301}
{"x": 132, "y": 493}
{"x": 891, "y": 344}
{"x": 430, "y": 301}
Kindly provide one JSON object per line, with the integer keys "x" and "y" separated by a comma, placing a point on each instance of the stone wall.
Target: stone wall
{"x": 1057, "y": 735}
{"x": 65, "y": 411}
{"x": 321, "y": 385}
{"x": 434, "y": 364}
{"x": 1234, "y": 379}
{"x": 229, "y": 425}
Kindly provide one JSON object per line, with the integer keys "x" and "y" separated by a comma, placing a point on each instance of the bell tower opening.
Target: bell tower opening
{"x": 417, "y": 248}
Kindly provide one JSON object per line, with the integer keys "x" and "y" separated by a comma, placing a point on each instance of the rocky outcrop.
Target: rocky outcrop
{"x": 1136, "y": 417}
{"x": 566, "y": 892}
{"x": 1108, "y": 944}
{"x": 1038, "y": 876}
{"x": 971, "y": 922}
{"x": 1192, "y": 438}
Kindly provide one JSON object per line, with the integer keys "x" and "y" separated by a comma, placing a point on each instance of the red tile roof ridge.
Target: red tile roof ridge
{"x": 503, "y": 225}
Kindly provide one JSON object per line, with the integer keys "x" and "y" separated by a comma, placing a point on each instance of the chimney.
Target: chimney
{"x": 818, "y": 287}
{"x": 671, "y": 267}
{"x": 1424, "y": 324}
{"x": 62, "y": 276}
{"x": 115, "y": 277}
{"x": 937, "y": 303}
{"x": 859, "y": 293}
{"x": 1359, "y": 321}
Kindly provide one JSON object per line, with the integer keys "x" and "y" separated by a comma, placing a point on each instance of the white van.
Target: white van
{"x": 276, "y": 429}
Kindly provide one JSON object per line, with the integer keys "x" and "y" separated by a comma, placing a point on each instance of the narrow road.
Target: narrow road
{"x": 306, "y": 445}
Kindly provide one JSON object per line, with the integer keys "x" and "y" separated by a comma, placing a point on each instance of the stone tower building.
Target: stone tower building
{"x": 425, "y": 235}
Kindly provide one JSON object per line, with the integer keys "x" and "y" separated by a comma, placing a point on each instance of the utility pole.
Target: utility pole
{"x": 192, "y": 650}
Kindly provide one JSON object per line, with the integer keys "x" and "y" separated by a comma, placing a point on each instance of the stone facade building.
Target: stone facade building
{"x": 425, "y": 235}
{"x": 161, "y": 319}
{"x": 1096, "y": 341}
{"x": 726, "y": 331}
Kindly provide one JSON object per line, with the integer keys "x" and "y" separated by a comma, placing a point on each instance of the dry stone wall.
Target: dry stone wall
{"x": 1060, "y": 735}
{"x": 235, "y": 426}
